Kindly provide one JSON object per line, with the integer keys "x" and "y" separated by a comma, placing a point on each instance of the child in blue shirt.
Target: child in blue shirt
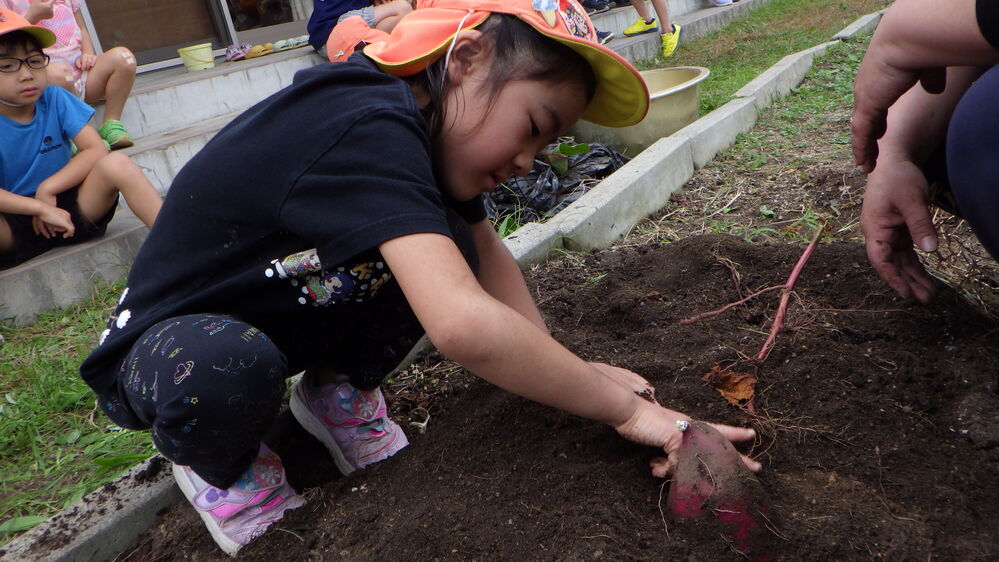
{"x": 49, "y": 198}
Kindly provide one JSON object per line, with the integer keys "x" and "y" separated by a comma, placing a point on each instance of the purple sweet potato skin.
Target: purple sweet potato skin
{"x": 710, "y": 481}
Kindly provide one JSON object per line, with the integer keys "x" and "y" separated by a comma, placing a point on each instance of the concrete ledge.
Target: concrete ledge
{"x": 533, "y": 242}
{"x": 717, "y": 130}
{"x": 63, "y": 277}
{"x": 778, "y": 80}
{"x": 635, "y": 191}
{"x": 103, "y": 523}
{"x": 864, "y": 25}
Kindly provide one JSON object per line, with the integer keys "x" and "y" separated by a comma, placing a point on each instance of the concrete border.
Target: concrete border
{"x": 66, "y": 276}
{"x": 104, "y": 522}
{"x": 593, "y": 221}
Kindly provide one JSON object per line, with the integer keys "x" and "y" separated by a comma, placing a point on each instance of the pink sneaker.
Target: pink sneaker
{"x": 352, "y": 423}
{"x": 242, "y": 512}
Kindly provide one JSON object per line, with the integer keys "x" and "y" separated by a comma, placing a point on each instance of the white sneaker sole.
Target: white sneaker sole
{"x": 187, "y": 487}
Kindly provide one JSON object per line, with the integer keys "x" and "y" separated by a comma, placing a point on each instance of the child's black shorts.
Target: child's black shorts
{"x": 27, "y": 244}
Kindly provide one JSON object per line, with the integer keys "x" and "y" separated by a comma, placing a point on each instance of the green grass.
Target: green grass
{"x": 54, "y": 445}
{"x": 742, "y": 50}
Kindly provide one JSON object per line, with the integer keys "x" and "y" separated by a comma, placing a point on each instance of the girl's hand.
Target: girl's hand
{"x": 627, "y": 379}
{"x": 51, "y": 220}
{"x": 86, "y": 61}
{"x": 39, "y": 10}
{"x": 651, "y": 424}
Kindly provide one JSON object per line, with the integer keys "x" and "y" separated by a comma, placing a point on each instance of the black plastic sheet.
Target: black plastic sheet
{"x": 543, "y": 193}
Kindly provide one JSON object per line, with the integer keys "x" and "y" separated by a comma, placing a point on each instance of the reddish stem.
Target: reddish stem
{"x": 704, "y": 315}
{"x": 785, "y": 296}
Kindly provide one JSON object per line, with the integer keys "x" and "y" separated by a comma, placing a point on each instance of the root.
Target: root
{"x": 661, "y": 512}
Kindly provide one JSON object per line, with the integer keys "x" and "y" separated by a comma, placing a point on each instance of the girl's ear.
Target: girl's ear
{"x": 471, "y": 54}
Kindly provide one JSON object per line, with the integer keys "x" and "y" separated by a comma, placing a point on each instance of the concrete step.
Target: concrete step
{"x": 63, "y": 277}
{"x": 618, "y": 18}
{"x": 172, "y": 99}
{"x": 161, "y": 156}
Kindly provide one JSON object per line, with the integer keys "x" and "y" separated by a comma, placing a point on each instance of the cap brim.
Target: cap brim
{"x": 426, "y": 36}
{"x": 622, "y": 97}
{"x": 44, "y": 37}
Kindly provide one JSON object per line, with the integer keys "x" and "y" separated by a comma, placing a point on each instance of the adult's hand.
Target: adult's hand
{"x": 877, "y": 87}
{"x": 894, "y": 215}
{"x": 651, "y": 424}
{"x": 903, "y": 52}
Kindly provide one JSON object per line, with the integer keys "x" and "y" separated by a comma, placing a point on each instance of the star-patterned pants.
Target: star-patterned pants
{"x": 209, "y": 386}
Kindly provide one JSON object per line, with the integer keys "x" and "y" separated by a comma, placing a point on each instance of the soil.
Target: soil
{"x": 876, "y": 418}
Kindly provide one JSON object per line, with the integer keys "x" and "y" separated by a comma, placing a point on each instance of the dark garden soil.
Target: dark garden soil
{"x": 877, "y": 418}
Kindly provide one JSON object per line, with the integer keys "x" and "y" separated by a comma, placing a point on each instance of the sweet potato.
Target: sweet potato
{"x": 711, "y": 482}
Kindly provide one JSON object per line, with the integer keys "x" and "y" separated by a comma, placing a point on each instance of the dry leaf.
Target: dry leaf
{"x": 737, "y": 388}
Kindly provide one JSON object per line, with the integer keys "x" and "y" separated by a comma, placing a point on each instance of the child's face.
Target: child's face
{"x": 478, "y": 150}
{"x": 25, "y": 85}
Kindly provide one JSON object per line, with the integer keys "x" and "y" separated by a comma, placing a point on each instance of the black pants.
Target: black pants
{"x": 209, "y": 386}
{"x": 973, "y": 158}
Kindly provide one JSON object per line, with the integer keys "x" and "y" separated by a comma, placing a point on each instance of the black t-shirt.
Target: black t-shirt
{"x": 987, "y": 12}
{"x": 277, "y": 221}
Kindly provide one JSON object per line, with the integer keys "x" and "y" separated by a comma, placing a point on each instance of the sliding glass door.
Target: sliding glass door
{"x": 155, "y": 29}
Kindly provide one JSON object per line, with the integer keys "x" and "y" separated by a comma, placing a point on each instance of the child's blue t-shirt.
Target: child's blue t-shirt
{"x": 31, "y": 152}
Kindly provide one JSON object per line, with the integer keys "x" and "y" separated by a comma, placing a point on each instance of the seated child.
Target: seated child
{"x": 74, "y": 65}
{"x": 378, "y": 14}
{"x": 47, "y": 198}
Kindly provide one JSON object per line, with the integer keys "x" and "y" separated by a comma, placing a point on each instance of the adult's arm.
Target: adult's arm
{"x": 915, "y": 41}
{"x": 895, "y": 214}
{"x": 503, "y": 347}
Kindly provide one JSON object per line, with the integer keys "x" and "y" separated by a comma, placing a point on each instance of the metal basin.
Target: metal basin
{"x": 675, "y": 94}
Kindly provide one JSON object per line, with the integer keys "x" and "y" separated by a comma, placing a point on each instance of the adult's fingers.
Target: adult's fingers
{"x": 881, "y": 254}
{"x": 865, "y": 129}
{"x": 920, "y": 225}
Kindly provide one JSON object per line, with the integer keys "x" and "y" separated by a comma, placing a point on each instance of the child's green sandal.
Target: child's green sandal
{"x": 114, "y": 133}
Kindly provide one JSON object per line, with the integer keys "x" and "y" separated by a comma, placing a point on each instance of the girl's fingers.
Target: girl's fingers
{"x": 734, "y": 434}
{"x": 661, "y": 467}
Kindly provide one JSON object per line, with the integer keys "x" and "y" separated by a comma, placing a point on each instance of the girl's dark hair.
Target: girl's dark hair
{"x": 15, "y": 39}
{"x": 519, "y": 53}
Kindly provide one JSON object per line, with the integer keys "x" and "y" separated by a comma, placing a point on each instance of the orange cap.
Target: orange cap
{"x": 13, "y": 21}
{"x": 426, "y": 33}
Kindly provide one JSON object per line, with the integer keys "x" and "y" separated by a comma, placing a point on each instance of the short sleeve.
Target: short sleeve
{"x": 987, "y": 13}
{"x": 373, "y": 184}
{"x": 73, "y": 113}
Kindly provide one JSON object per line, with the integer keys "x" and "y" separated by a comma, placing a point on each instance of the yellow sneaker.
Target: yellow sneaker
{"x": 641, "y": 26}
{"x": 670, "y": 41}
